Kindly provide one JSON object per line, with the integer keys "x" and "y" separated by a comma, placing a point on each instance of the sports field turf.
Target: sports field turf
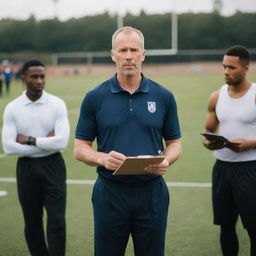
{"x": 190, "y": 230}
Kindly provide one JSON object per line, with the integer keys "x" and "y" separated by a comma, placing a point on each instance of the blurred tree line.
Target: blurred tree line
{"x": 93, "y": 33}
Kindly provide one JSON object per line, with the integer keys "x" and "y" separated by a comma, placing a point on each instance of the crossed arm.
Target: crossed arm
{"x": 15, "y": 143}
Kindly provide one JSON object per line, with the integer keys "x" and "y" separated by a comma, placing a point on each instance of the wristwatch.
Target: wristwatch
{"x": 29, "y": 140}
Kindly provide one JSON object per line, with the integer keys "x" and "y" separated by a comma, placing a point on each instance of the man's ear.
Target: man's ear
{"x": 144, "y": 55}
{"x": 113, "y": 56}
{"x": 23, "y": 78}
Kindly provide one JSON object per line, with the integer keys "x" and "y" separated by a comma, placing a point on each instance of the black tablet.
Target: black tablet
{"x": 213, "y": 136}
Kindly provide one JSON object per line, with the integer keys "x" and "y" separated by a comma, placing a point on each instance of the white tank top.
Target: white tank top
{"x": 237, "y": 120}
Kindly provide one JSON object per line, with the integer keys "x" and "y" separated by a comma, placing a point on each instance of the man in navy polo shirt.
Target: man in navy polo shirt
{"x": 129, "y": 115}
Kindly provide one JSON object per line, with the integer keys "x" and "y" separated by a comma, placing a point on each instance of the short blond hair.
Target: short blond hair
{"x": 127, "y": 29}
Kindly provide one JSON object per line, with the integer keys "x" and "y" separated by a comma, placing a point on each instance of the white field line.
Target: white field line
{"x": 2, "y": 155}
{"x": 91, "y": 182}
{"x": 3, "y": 193}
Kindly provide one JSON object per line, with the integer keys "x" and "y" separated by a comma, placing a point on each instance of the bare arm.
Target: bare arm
{"x": 84, "y": 152}
{"x": 212, "y": 123}
{"x": 172, "y": 152}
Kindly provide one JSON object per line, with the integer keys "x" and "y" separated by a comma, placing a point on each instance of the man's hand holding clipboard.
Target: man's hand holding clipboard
{"x": 138, "y": 165}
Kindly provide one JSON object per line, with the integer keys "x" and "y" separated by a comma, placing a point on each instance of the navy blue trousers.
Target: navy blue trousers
{"x": 42, "y": 184}
{"x": 121, "y": 210}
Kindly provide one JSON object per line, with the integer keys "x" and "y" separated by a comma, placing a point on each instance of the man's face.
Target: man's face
{"x": 128, "y": 53}
{"x": 34, "y": 80}
{"x": 234, "y": 70}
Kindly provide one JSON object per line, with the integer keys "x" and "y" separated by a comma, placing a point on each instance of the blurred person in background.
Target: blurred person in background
{"x": 1, "y": 80}
{"x": 7, "y": 75}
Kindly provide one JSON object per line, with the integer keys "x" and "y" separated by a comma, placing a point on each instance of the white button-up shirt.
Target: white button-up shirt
{"x": 37, "y": 119}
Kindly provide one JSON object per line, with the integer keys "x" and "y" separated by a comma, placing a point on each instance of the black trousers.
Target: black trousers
{"x": 121, "y": 210}
{"x": 7, "y": 84}
{"x": 42, "y": 184}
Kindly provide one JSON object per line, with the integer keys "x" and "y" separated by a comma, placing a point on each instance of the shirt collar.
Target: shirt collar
{"x": 116, "y": 88}
{"x": 26, "y": 100}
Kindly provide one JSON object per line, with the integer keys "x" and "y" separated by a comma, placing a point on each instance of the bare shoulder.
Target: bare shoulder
{"x": 213, "y": 100}
{"x": 214, "y": 96}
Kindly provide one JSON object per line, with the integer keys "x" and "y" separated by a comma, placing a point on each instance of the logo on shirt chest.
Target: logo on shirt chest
{"x": 151, "y": 106}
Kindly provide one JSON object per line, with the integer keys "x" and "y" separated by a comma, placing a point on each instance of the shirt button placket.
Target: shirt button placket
{"x": 130, "y": 104}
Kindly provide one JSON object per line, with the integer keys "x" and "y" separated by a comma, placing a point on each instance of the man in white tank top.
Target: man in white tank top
{"x": 232, "y": 114}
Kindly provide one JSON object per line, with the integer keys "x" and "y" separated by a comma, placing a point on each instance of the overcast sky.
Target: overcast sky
{"x": 44, "y": 9}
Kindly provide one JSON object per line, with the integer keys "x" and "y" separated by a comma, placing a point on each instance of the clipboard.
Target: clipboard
{"x": 136, "y": 165}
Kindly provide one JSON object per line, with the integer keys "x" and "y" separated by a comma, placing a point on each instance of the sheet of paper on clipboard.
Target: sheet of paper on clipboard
{"x": 136, "y": 165}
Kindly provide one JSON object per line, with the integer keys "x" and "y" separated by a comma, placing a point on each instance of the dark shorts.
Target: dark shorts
{"x": 234, "y": 193}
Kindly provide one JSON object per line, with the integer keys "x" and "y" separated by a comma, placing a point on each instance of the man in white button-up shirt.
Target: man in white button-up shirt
{"x": 36, "y": 128}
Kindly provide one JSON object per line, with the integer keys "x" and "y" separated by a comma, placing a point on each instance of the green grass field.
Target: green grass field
{"x": 190, "y": 230}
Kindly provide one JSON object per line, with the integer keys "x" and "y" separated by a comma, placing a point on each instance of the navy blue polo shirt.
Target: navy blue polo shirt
{"x": 132, "y": 124}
